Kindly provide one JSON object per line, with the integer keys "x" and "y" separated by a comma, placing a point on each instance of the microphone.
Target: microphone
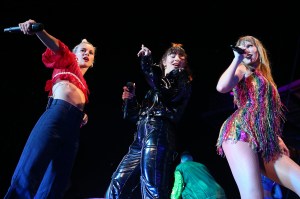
{"x": 237, "y": 49}
{"x": 130, "y": 86}
{"x": 34, "y": 27}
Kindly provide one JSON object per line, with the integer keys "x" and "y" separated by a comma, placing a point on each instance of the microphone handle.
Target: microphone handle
{"x": 12, "y": 29}
{"x": 130, "y": 86}
{"x": 34, "y": 28}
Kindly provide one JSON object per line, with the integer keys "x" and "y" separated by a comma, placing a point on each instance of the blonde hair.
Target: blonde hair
{"x": 264, "y": 63}
{"x": 83, "y": 41}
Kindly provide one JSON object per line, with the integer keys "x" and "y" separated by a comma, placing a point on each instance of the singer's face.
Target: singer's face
{"x": 85, "y": 55}
{"x": 252, "y": 53}
{"x": 174, "y": 61}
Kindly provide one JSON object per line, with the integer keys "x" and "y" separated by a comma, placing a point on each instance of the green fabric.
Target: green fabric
{"x": 178, "y": 185}
{"x": 192, "y": 180}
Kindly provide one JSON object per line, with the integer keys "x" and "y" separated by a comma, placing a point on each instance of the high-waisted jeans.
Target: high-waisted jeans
{"x": 45, "y": 165}
{"x": 147, "y": 165}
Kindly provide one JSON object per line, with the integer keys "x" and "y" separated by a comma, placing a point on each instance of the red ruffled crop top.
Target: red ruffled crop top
{"x": 65, "y": 67}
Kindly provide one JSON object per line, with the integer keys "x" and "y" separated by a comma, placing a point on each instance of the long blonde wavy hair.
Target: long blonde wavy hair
{"x": 264, "y": 64}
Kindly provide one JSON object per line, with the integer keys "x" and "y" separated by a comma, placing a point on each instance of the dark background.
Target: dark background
{"x": 118, "y": 29}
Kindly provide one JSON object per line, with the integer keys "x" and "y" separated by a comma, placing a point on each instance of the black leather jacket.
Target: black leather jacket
{"x": 167, "y": 97}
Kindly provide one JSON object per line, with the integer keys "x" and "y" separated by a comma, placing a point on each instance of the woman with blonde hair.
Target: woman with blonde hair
{"x": 251, "y": 137}
{"x": 46, "y": 162}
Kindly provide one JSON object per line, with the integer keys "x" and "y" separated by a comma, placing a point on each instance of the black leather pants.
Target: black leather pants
{"x": 146, "y": 168}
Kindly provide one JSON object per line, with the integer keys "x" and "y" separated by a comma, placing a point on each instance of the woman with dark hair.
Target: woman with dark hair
{"x": 148, "y": 163}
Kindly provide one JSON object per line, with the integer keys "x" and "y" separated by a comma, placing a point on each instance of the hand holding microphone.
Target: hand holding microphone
{"x": 237, "y": 49}
{"x": 128, "y": 93}
{"x": 29, "y": 27}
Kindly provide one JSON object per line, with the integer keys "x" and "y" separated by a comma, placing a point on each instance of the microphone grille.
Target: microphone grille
{"x": 130, "y": 86}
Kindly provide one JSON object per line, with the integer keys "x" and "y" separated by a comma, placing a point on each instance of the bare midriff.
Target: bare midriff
{"x": 67, "y": 91}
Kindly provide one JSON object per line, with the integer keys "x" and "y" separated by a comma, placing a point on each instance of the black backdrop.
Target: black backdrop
{"x": 117, "y": 30}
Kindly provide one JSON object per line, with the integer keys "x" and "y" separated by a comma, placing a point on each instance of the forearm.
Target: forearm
{"x": 131, "y": 113}
{"x": 229, "y": 78}
{"x": 152, "y": 72}
{"x": 48, "y": 40}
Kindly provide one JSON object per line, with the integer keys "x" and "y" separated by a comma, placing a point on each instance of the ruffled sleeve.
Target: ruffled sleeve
{"x": 65, "y": 67}
{"x": 60, "y": 59}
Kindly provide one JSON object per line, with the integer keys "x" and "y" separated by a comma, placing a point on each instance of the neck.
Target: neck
{"x": 168, "y": 70}
{"x": 251, "y": 67}
{"x": 83, "y": 70}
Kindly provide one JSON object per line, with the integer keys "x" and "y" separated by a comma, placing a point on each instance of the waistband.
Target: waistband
{"x": 69, "y": 106}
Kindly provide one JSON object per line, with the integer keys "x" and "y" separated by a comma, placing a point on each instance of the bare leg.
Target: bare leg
{"x": 244, "y": 165}
{"x": 285, "y": 172}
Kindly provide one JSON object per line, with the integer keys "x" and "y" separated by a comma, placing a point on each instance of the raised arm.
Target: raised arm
{"x": 152, "y": 73}
{"x": 232, "y": 75}
{"x": 48, "y": 40}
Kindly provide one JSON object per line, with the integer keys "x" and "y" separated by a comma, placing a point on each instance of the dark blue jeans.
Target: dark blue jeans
{"x": 146, "y": 168}
{"x": 45, "y": 165}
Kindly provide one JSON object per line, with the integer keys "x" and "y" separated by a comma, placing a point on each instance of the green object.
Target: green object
{"x": 194, "y": 181}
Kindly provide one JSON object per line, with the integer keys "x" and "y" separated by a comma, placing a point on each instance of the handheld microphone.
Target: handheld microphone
{"x": 34, "y": 27}
{"x": 130, "y": 86}
{"x": 237, "y": 49}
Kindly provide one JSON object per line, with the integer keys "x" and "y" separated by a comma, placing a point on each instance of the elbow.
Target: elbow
{"x": 222, "y": 89}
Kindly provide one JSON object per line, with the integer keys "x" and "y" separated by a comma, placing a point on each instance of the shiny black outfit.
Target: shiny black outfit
{"x": 147, "y": 165}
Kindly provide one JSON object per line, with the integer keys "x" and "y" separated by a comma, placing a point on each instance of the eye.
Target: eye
{"x": 172, "y": 55}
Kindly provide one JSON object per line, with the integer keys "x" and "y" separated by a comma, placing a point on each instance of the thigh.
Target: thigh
{"x": 244, "y": 165}
{"x": 285, "y": 172}
{"x": 128, "y": 170}
{"x": 157, "y": 153}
